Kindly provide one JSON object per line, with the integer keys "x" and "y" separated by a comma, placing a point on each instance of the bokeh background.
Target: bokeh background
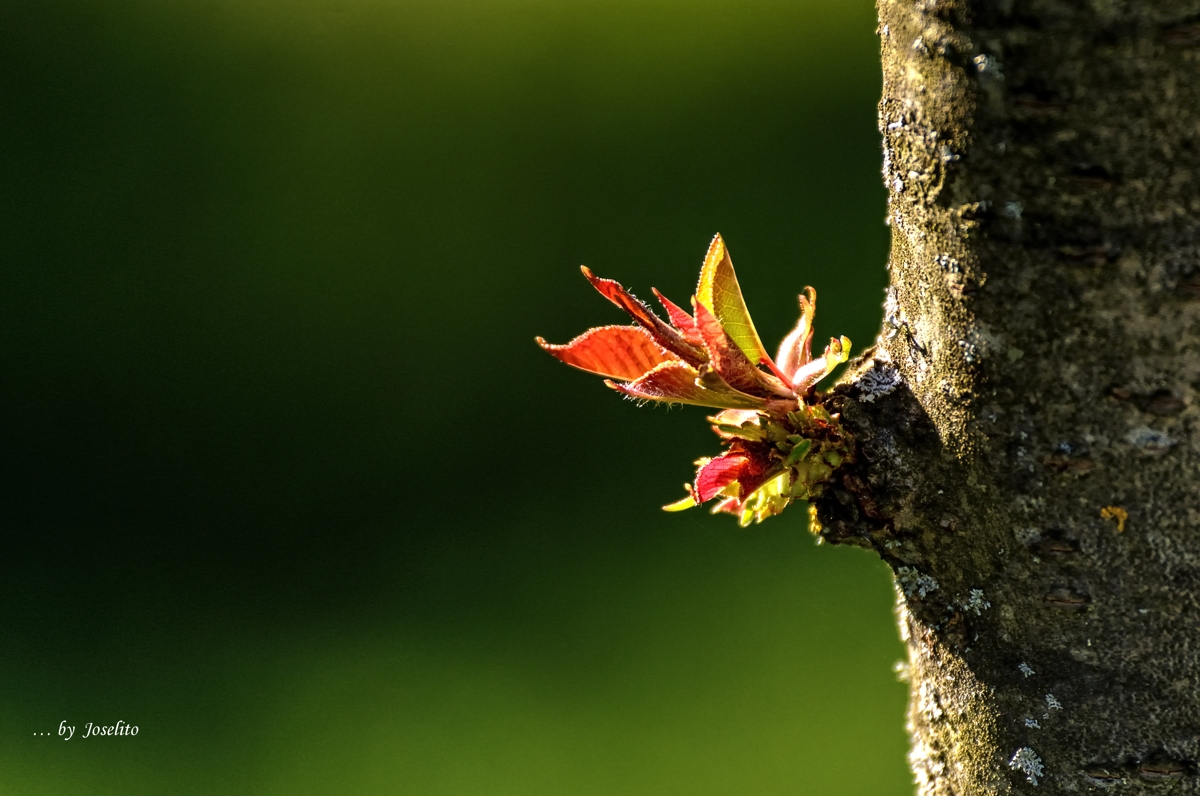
{"x": 286, "y": 482}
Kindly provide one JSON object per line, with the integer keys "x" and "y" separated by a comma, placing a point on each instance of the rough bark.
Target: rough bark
{"x": 1038, "y": 370}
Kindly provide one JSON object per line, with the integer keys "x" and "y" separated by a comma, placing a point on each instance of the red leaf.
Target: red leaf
{"x": 677, "y": 382}
{"x": 622, "y": 352}
{"x": 728, "y": 506}
{"x": 716, "y": 474}
{"x": 712, "y": 380}
{"x": 756, "y": 473}
{"x": 727, "y": 359}
{"x": 680, "y": 319}
{"x": 663, "y": 334}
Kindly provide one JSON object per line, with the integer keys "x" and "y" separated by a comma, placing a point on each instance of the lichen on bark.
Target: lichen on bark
{"x": 1039, "y": 364}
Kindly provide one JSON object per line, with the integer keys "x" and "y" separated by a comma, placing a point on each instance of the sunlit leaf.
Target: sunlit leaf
{"x": 712, "y": 380}
{"x": 680, "y": 319}
{"x": 663, "y": 334}
{"x": 719, "y": 291}
{"x": 717, "y": 474}
{"x": 621, "y": 352}
{"x": 770, "y": 499}
{"x": 678, "y": 382}
{"x": 748, "y": 432}
{"x": 724, "y": 356}
{"x": 728, "y": 506}
{"x": 685, "y": 502}
{"x": 745, "y": 424}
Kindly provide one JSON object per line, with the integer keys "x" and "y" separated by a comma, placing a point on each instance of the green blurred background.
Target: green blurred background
{"x": 286, "y": 482}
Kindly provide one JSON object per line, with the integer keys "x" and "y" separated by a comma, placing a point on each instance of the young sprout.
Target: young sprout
{"x": 781, "y": 444}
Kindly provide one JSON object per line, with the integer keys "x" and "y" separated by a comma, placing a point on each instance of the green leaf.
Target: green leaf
{"x": 747, "y": 432}
{"x": 720, "y": 293}
{"x": 724, "y": 355}
{"x": 800, "y": 451}
{"x": 685, "y": 502}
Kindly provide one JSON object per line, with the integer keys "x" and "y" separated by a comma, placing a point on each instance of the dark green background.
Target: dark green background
{"x": 286, "y": 482}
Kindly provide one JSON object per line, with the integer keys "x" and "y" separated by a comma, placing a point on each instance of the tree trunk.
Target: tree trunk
{"x": 1029, "y": 453}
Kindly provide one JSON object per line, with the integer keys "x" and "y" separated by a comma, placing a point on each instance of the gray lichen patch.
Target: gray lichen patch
{"x": 914, "y": 583}
{"x": 975, "y": 603}
{"x": 1149, "y": 441}
{"x": 877, "y": 382}
{"x": 1028, "y": 763}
